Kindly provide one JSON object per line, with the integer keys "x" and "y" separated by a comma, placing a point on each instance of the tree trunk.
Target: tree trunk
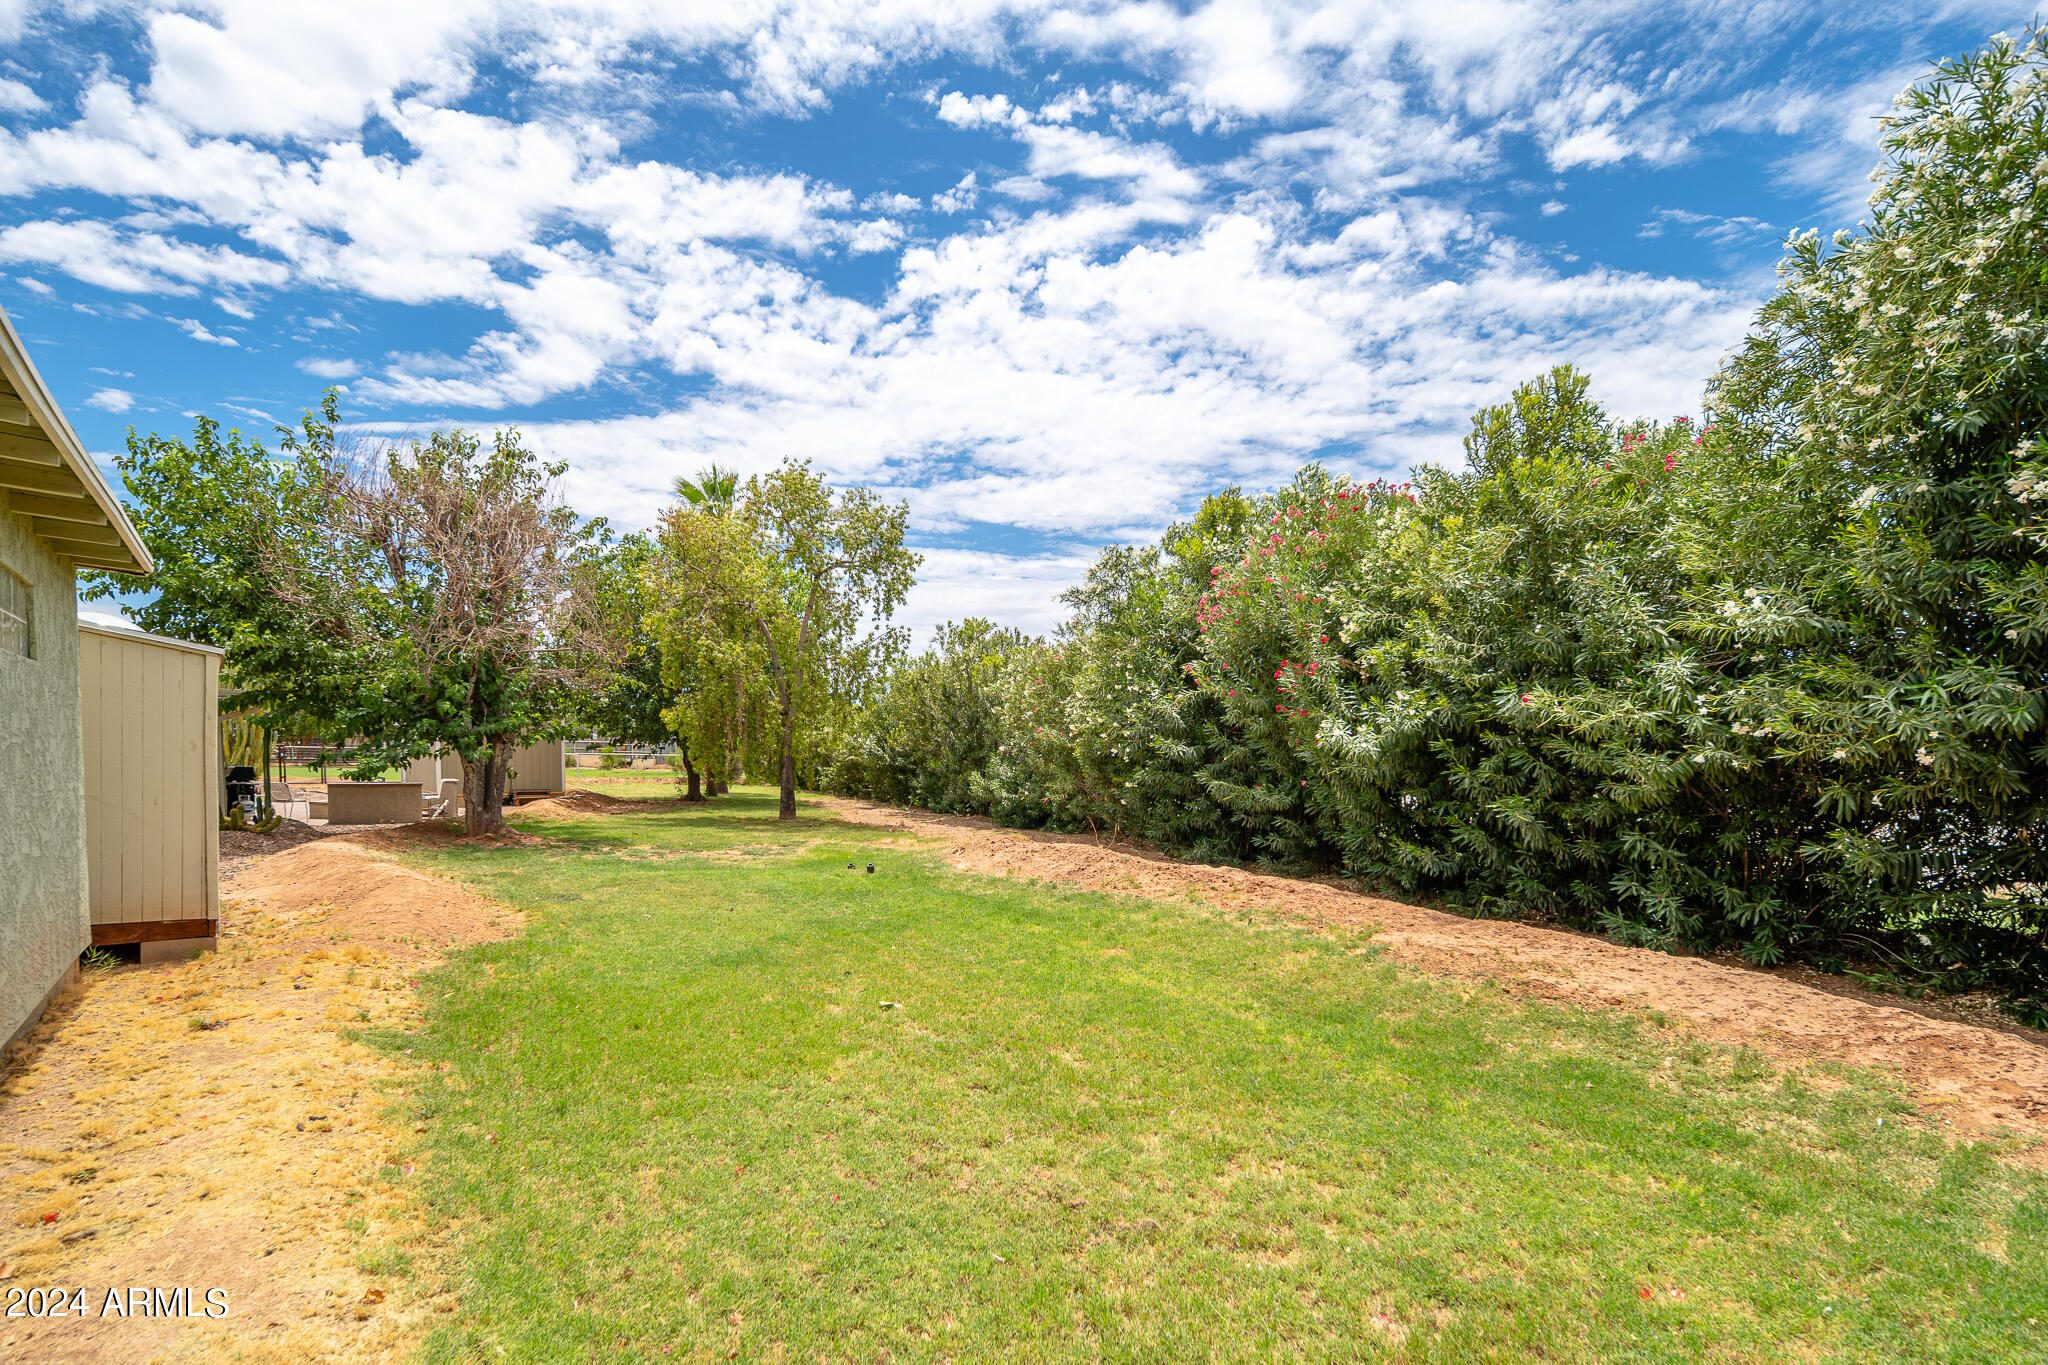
{"x": 787, "y": 810}
{"x": 263, "y": 806}
{"x": 483, "y": 791}
{"x": 739, "y": 726}
{"x": 696, "y": 792}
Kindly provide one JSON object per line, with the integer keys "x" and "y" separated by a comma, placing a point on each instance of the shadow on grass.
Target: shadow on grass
{"x": 748, "y": 811}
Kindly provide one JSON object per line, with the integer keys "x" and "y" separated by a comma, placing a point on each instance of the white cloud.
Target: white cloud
{"x": 18, "y": 98}
{"x": 248, "y": 66}
{"x": 960, "y": 198}
{"x": 1716, "y": 228}
{"x": 198, "y": 331}
{"x": 1151, "y": 170}
{"x": 94, "y": 616}
{"x": 1256, "y": 234}
{"x": 1014, "y": 379}
{"x": 111, "y": 400}
{"x": 1012, "y": 590}
{"x": 133, "y": 262}
{"x": 980, "y": 111}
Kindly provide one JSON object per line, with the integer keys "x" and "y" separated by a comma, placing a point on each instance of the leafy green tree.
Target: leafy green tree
{"x": 713, "y": 493}
{"x": 635, "y": 697}
{"x": 797, "y": 584}
{"x": 211, "y": 510}
{"x": 933, "y": 731}
{"x": 462, "y": 595}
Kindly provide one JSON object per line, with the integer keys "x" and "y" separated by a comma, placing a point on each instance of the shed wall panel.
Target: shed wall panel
{"x": 150, "y": 704}
{"x": 151, "y": 736}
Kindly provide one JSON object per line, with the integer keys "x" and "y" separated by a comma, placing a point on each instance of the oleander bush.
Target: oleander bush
{"x": 1771, "y": 679}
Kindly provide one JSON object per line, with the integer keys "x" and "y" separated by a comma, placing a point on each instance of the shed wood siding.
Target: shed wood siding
{"x": 539, "y": 769}
{"x": 152, "y": 746}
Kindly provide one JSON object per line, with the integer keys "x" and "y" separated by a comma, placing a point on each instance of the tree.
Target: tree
{"x": 463, "y": 594}
{"x": 929, "y": 737}
{"x": 714, "y": 489}
{"x": 211, "y": 510}
{"x": 713, "y": 493}
{"x": 798, "y": 583}
{"x": 635, "y": 698}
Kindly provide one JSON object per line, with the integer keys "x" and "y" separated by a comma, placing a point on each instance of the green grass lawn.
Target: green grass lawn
{"x": 679, "y": 1122}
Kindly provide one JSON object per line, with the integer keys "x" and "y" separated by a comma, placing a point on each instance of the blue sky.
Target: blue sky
{"x": 1048, "y": 271}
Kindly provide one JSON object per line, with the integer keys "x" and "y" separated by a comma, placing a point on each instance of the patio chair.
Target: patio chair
{"x": 447, "y": 801}
{"x": 285, "y": 799}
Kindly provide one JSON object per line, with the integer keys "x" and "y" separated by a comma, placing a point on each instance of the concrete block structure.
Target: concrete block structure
{"x": 372, "y": 803}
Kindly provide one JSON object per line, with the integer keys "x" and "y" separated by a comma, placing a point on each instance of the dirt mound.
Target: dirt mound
{"x": 354, "y": 889}
{"x": 1977, "y": 1079}
{"x": 583, "y": 801}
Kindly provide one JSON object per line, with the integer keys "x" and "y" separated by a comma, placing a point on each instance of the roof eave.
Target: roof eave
{"x": 50, "y": 421}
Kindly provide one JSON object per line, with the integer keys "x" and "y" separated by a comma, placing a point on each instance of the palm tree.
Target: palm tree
{"x": 714, "y": 489}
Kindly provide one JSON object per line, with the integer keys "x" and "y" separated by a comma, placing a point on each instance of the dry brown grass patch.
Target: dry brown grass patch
{"x": 254, "y": 1157}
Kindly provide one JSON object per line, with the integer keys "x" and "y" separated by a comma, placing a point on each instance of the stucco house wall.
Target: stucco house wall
{"x": 45, "y": 917}
{"x": 56, "y": 514}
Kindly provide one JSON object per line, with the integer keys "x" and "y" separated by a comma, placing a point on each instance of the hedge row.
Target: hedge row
{"x": 1775, "y": 678}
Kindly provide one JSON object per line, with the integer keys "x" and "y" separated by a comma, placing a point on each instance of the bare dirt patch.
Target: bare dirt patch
{"x": 1978, "y": 1081}
{"x": 205, "y": 1125}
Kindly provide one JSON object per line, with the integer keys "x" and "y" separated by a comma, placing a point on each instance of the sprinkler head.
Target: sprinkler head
{"x": 871, "y": 867}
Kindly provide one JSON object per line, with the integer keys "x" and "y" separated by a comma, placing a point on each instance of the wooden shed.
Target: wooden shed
{"x": 537, "y": 770}
{"x": 150, "y": 711}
